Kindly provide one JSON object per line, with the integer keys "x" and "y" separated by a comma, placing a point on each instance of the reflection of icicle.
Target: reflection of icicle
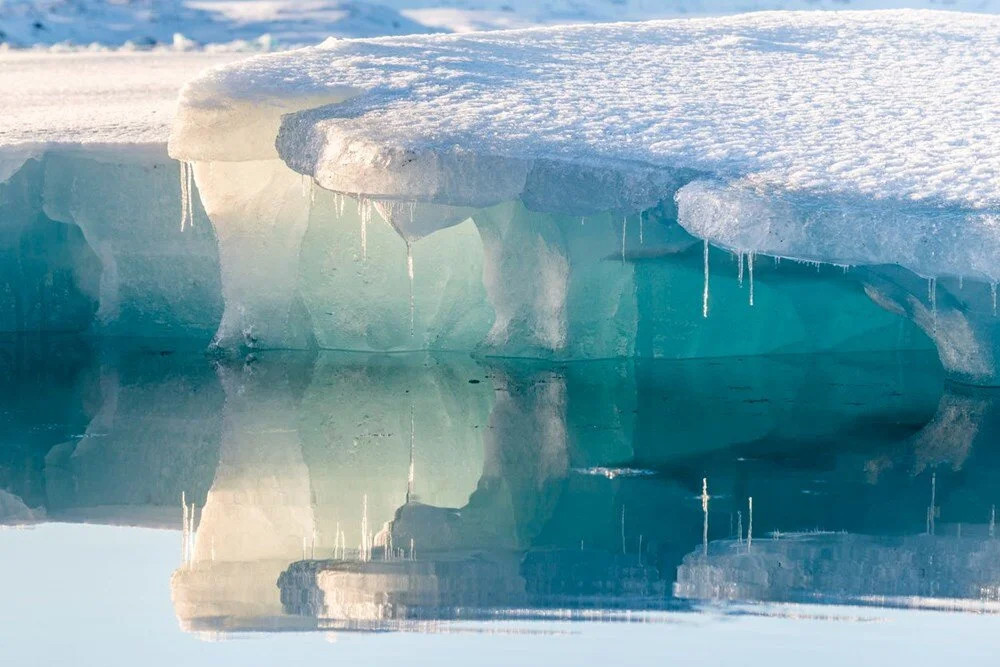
{"x": 641, "y": 226}
{"x": 993, "y": 294}
{"x": 704, "y": 294}
{"x": 750, "y": 523}
{"x": 739, "y": 527}
{"x": 739, "y": 270}
{"x": 363, "y": 550}
{"x": 704, "y": 512}
{"x": 184, "y": 529}
{"x": 993, "y": 520}
{"x": 583, "y": 221}
{"x": 409, "y": 273}
{"x": 750, "y": 270}
{"x": 961, "y": 283}
{"x": 410, "y": 476}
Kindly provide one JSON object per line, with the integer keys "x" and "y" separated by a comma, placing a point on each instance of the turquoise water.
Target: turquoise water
{"x": 445, "y": 509}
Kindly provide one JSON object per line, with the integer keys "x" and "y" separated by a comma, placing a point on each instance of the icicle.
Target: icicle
{"x": 704, "y": 512}
{"x": 409, "y": 273}
{"x": 624, "y": 231}
{"x": 190, "y": 194}
{"x": 583, "y": 220}
{"x": 641, "y": 225}
{"x": 412, "y": 550}
{"x": 739, "y": 528}
{"x": 312, "y": 551}
{"x": 185, "y": 195}
{"x": 623, "y": 530}
{"x": 750, "y": 524}
{"x": 961, "y": 283}
{"x": 312, "y": 192}
{"x": 739, "y": 263}
{"x": 993, "y": 520}
{"x": 993, "y": 293}
{"x": 410, "y": 478}
{"x": 704, "y": 292}
{"x": 750, "y": 270}
{"x": 413, "y": 207}
{"x": 640, "y": 549}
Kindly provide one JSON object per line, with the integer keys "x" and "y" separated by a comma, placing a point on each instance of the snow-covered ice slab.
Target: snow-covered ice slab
{"x": 848, "y": 138}
{"x": 82, "y": 153}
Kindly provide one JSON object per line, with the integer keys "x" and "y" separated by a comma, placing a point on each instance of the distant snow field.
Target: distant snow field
{"x": 265, "y": 24}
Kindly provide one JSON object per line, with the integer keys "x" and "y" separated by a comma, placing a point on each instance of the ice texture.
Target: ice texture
{"x": 852, "y": 138}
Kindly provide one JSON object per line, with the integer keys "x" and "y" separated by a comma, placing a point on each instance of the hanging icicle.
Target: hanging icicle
{"x": 750, "y": 270}
{"x": 704, "y": 512}
{"x": 187, "y": 187}
{"x": 409, "y": 273}
{"x": 704, "y": 293}
{"x": 641, "y": 229}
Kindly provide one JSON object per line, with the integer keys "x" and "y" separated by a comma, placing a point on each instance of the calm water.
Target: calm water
{"x": 437, "y": 509}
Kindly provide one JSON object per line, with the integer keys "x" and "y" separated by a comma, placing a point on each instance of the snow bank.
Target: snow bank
{"x": 842, "y": 110}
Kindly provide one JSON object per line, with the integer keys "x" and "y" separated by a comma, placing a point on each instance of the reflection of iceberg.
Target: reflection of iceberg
{"x": 467, "y": 585}
{"x": 921, "y": 571}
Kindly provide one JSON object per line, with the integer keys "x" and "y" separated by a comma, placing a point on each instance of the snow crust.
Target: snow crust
{"x": 93, "y": 99}
{"x": 850, "y": 113}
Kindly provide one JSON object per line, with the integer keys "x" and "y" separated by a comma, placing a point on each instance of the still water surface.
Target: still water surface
{"x": 436, "y": 509}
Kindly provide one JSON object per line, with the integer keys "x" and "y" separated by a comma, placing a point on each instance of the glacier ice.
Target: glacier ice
{"x": 541, "y": 205}
{"x": 519, "y": 144}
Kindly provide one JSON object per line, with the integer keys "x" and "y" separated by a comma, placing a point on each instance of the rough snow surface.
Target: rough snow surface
{"x": 89, "y": 98}
{"x": 844, "y": 111}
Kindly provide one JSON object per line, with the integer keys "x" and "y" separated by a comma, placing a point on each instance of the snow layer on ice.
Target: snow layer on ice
{"x": 845, "y": 109}
{"x": 89, "y": 99}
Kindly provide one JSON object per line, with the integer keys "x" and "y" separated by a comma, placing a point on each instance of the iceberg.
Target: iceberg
{"x": 555, "y": 192}
{"x": 566, "y": 147}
